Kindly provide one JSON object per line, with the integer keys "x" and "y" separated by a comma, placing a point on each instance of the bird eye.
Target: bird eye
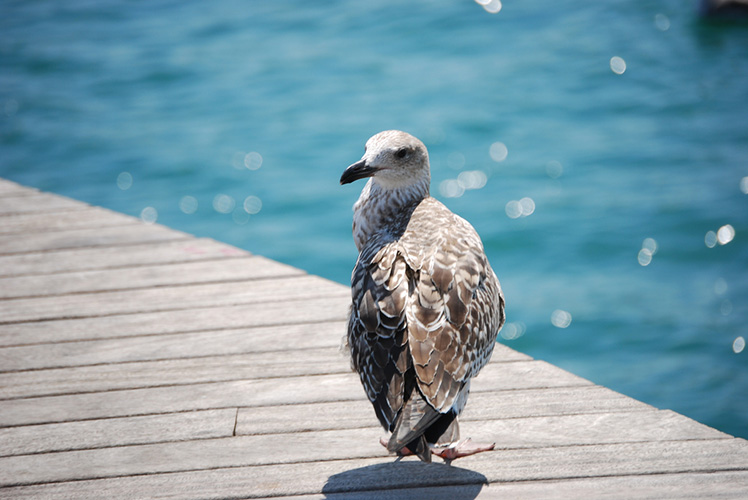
{"x": 401, "y": 153}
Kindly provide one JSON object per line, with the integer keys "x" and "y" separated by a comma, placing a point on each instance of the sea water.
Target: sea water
{"x": 599, "y": 148}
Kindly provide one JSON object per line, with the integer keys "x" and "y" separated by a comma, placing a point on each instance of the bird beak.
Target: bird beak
{"x": 357, "y": 171}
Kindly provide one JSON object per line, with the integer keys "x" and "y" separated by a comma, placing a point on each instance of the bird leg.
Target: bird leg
{"x": 404, "y": 452}
{"x": 462, "y": 448}
{"x": 458, "y": 449}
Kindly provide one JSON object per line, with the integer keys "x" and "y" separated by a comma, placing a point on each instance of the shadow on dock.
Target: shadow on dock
{"x": 394, "y": 480}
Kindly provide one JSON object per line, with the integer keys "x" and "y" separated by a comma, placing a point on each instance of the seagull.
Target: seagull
{"x": 426, "y": 305}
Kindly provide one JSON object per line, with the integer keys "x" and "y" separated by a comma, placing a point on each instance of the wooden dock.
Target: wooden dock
{"x": 141, "y": 362}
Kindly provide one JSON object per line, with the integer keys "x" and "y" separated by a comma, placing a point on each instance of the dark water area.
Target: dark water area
{"x": 600, "y": 149}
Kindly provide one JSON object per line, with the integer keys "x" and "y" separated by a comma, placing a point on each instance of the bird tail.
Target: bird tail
{"x": 413, "y": 421}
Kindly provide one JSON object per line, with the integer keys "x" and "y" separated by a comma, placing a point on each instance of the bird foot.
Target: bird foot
{"x": 404, "y": 452}
{"x": 462, "y": 448}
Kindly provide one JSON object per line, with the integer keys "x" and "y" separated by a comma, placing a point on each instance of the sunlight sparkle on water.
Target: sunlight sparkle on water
{"x": 644, "y": 257}
{"x": 738, "y": 345}
{"x": 662, "y": 22}
{"x": 472, "y": 179}
{"x": 253, "y": 160}
{"x": 498, "y": 151}
{"x": 710, "y": 239}
{"x": 725, "y": 234}
{"x": 450, "y": 188}
{"x": 554, "y": 169}
{"x": 490, "y": 6}
{"x": 124, "y": 181}
{"x": 252, "y": 204}
{"x": 469, "y": 179}
{"x": 649, "y": 248}
{"x": 618, "y": 65}
{"x": 188, "y": 204}
{"x": 149, "y": 215}
{"x": 223, "y": 203}
{"x": 561, "y": 318}
{"x": 520, "y": 208}
{"x": 240, "y": 216}
{"x": 512, "y": 331}
{"x": 744, "y": 185}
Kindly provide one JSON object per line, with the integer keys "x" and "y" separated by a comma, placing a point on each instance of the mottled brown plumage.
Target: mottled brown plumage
{"x": 426, "y": 305}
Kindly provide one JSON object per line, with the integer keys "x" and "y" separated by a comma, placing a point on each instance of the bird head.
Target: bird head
{"x": 394, "y": 160}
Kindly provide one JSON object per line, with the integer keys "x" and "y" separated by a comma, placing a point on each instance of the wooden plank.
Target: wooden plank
{"x": 10, "y": 188}
{"x": 174, "y": 346}
{"x": 256, "y": 392}
{"x": 104, "y": 375}
{"x": 236, "y": 483}
{"x": 723, "y": 485}
{"x": 92, "y": 434}
{"x": 198, "y": 272}
{"x": 481, "y": 406}
{"x": 88, "y": 217}
{"x": 167, "y": 298}
{"x": 169, "y": 372}
{"x": 253, "y": 452}
{"x": 590, "y": 429}
{"x": 85, "y": 238}
{"x": 180, "y": 347}
{"x": 36, "y": 202}
{"x": 118, "y": 365}
{"x": 203, "y": 321}
{"x": 116, "y": 257}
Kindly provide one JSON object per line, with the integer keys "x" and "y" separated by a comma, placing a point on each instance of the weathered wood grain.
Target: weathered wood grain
{"x": 10, "y": 188}
{"x": 111, "y": 373}
{"x": 139, "y": 362}
{"x": 481, "y": 406}
{"x": 91, "y": 434}
{"x": 167, "y": 298}
{"x": 253, "y": 392}
{"x": 252, "y": 453}
{"x": 153, "y": 276}
{"x": 210, "y": 323}
{"x": 85, "y": 218}
{"x": 233, "y": 483}
{"x": 514, "y": 405}
{"x": 115, "y": 257}
{"x": 36, "y": 202}
{"x": 169, "y": 372}
{"x": 86, "y": 238}
{"x": 289, "y": 340}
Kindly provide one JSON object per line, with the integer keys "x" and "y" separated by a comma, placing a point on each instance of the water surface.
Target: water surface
{"x": 597, "y": 147}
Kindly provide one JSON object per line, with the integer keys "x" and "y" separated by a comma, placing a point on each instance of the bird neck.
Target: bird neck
{"x": 380, "y": 208}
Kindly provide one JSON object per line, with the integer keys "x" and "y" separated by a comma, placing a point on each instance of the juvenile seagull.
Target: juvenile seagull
{"x": 426, "y": 304}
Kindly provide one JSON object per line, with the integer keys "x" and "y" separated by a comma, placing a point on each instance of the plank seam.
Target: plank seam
{"x": 217, "y": 382}
{"x": 181, "y": 237}
{"x": 154, "y": 286}
{"x": 214, "y": 258}
{"x": 186, "y": 332}
{"x": 344, "y": 356}
{"x": 325, "y": 429}
{"x": 692, "y": 470}
{"x": 149, "y": 311}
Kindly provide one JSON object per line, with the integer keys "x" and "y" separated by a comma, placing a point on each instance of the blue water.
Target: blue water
{"x": 156, "y": 108}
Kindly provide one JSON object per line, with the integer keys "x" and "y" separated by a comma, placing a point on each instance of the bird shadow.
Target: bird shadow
{"x": 395, "y": 480}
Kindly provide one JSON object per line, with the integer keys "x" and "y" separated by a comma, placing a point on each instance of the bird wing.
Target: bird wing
{"x": 427, "y": 300}
{"x": 455, "y": 307}
{"x": 377, "y": 330}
